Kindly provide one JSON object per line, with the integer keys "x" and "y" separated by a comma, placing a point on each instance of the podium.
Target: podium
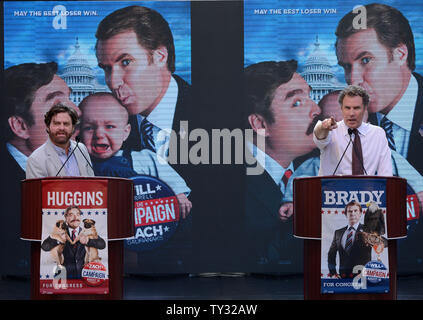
{"x": 120, "y": 225}
{"x": 307, "y": 225}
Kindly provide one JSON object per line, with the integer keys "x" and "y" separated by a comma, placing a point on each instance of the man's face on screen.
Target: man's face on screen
{"x": 135, "y": 75}
{"x": 374, "y": 67}
{"x": 45, "y": 97}
{"x": 293, "y": 111}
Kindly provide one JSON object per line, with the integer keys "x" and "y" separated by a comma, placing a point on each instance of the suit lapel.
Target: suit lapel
{"x": 416, "y": 139}
{"x": 53, "y": 160}
{"x": 265, "y": 190}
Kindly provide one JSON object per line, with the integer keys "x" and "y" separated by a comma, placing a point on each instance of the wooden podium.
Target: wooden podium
{"x": 120, "y": 225}
{"x": 308, "y": 226}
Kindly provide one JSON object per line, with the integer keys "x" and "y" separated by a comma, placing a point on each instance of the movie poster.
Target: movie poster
{"x": 74, "y": 254}
{"x": 273, "y": 30}
{"x": 65, "y": 33}
{"x": 306, "y": 32}
{"x": 354, "y": 249}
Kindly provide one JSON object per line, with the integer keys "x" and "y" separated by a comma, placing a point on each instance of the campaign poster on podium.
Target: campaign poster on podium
{"x": 74, "y": 252}
{"x": 354, "y": 251}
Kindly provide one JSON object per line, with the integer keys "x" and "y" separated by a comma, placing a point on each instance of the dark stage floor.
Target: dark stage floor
{"x": 251, "y": 287}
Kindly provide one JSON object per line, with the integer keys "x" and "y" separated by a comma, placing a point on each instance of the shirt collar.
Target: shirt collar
{"x": 162, "y": 115}
{"x": 402, "y": 113}
{"x": 273, "y": 168}
{"x": 20, "y": 158}
{"x": 355, "y": 226}
{"x": 60, "y": 151}
{"x": 362, "y": 129}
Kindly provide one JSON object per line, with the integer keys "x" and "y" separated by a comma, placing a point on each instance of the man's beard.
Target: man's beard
{"x": 60, "y": 140}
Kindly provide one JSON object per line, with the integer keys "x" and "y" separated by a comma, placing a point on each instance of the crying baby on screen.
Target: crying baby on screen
{"x": 104, "y": 127}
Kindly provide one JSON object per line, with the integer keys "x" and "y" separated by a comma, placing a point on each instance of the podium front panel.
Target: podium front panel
{"x": 308, "y": 204}
{"x": 119, "y": 204}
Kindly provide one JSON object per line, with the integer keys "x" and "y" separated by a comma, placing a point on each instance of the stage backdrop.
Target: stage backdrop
{"x": 214, "y": 41}
{"x": 305, "y": 31}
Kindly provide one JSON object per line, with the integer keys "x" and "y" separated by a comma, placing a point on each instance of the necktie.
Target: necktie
{"x": 286, "y": 176}
{"x": 349, "y": 240}
{"x": 146, "y": 131}
{"x": 387, "y": 126}
{"x": 357, "y": 155}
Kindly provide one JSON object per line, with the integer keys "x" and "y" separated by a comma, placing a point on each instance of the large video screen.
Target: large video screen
{"x": 148, "y": 76}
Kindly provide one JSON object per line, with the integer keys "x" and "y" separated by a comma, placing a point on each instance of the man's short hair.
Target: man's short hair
{"x": 59, "y": 108}
{"x": 353, "y": 203}
{"x": 391, "y": 27}
{"x": 151, "y": 28}
{"x": 20, "y": 84}
{"x": 261, "y": 81}
{"x": 70, "y": 208}
{"x": 354, "y": 91}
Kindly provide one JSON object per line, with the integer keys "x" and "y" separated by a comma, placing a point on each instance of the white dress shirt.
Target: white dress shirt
{"x": 162, "y": 119}
{"x": 376, "y": 152}
{"x": 17, "y": 155}
{"x": 71, "y": 165}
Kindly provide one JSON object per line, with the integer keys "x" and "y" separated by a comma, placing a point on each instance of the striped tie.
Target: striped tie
{"x": 349, "y": 240}
{"x": 146, "y": 131}
{"x": 387, "y": 126}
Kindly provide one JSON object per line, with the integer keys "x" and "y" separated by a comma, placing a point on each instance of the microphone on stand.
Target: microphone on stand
{"x": 78, "y": 140}
{"x": 350, "y": 133}
{"x": 70, "y": 155}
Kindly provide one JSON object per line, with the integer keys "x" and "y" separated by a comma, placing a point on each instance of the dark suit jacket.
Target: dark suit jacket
{"x": 16, "y": 254}
{"x": 415, "y": 145}
{"x": 74, "y": 255}
{"x": 263, "y": 200}
{"x": 183, "y": 112}
{"x": 267, "y": 236}
{"x": 359, "y": 254}
{"x": 179, "y": 247}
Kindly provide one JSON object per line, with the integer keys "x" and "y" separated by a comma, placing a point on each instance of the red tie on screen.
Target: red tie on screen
{"x": 73, "y": 234}
{"x": 286, "y": 176}
{"x": 357, "y": 155}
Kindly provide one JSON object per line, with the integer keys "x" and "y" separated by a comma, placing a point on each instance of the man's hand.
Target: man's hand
{"x": 184, "y": 204}
{"x": 322, "y": 130}
{"x": 285, "y": 211}
{"x": 329, "y": 124}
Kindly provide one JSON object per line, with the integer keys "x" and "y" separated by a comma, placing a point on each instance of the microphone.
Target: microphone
{"x": 67, "y": 159}
{"x": 350, "y": 133}
{"x": 78, "y": 140}
{"x": 356, "y": 153}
